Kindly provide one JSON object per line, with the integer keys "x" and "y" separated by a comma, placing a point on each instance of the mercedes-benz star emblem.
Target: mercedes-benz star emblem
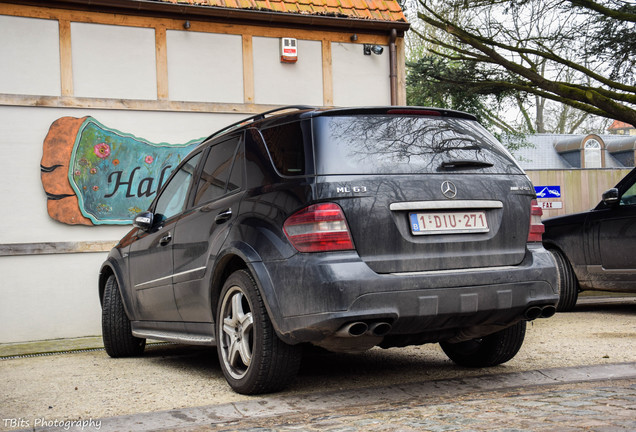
{"x": 449, "y": 190}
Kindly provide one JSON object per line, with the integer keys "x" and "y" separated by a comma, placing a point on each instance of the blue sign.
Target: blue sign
{"x": 548, "y": 191}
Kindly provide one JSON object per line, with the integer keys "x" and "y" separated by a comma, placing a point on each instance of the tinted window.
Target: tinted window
{"x": 258, "y": 168}
{"x": 382, "y": 144}
{"x": 629, "y": 196}
{"x": 173, "y": 198}
{"x": 286, "y": 147}
{"x": 218, "y": 168}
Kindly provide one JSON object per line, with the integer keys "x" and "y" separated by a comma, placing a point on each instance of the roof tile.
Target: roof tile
{"x": 305, "y": 8}
{"x": 376, "y": 14}
{"x": 365, "y": 13}
{"x": 382, "y": 10}
{"x": 277, "y": 5}
{"x": 291, "y": 7}
{"x": 359, "y": 5}
{"x": 387, "y": 16}
{"x": 393, "y": 6}
{"x": 381, "y": 5}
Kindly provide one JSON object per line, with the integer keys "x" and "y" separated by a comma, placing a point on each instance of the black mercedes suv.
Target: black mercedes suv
{"x": 342, "y": 228}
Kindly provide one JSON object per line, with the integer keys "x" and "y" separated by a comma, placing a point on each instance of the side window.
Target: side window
{"x": 236, "y": 176}
{"x": 220, "y": 173}
{"x": 173, "y": 198}
{"x": 629, "y": 196}
{"x": 286, "y": 146}
{"x": 258, "y": 168}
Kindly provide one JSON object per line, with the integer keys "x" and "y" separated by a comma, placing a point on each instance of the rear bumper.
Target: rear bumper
{"x": 317, "y": 294}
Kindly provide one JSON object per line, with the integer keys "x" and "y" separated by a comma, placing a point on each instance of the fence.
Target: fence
{"x": 581, "y": 189}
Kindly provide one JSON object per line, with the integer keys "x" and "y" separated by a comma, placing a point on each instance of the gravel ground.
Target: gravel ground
{"x": 92, "y": 385}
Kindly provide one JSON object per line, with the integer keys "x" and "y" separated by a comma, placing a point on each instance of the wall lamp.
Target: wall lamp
{"x": 375, "y": 49}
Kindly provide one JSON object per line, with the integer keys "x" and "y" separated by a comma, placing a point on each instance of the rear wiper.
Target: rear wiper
{"x": 464, "y": 163}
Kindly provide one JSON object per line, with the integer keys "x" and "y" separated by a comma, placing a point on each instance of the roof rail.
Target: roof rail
{"x": 256, "y": 118}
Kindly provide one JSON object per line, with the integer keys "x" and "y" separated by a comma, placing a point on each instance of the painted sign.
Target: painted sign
{"x": 95, "y": 175}
{"x": 551, "y": 205}
{"x": 548, "y": 191}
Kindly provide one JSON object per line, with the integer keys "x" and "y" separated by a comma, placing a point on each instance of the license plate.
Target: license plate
{"x": 448, "y": 222}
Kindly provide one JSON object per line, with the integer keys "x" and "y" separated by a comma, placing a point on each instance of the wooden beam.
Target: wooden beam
{"x": 47, "y": 248}
{"x": 248, "y": 69}
{"x": 161, "y": 56}
{"x": 66, "y": 58}
{"x": 327, "y": 74}
{"x": 132, "y": 104}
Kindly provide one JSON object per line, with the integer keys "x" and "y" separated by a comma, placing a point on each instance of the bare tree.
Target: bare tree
{"x": 549, "y": 50}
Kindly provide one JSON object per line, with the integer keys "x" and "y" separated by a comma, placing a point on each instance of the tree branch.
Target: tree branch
{"x": 590, "y": 98}
{"x": 608, "y": 12}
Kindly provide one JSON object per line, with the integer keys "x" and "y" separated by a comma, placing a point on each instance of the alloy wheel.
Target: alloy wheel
{"x": 236, "y": 332}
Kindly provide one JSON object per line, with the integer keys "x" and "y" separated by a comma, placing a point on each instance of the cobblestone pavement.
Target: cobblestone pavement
{"x": 589, "y": 398}
{"x": 599, "y": 406}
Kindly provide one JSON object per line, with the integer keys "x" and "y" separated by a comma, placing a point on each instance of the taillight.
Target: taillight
{"x": 318, "y": 228}
{"x": 536, "y": 226}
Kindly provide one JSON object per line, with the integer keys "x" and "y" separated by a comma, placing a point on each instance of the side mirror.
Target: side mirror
{"x": 610, "y": 197}
{"x": 143, "y": 221}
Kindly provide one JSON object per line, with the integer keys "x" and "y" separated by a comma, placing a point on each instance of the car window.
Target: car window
{"x": 286, "y": 147}
{"x": 258, "y": 169}
{"x": 629, "y": 196}
{"x": 219, "y": 167}
{"x": 385, "y": 144}
{"x": 174, "y": 195}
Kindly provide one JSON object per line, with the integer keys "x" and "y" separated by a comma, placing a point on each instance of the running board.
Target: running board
{"x": 184, "y": 333}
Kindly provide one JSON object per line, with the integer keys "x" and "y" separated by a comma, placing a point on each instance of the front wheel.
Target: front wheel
{"x": 253, "y": 359}
{"x": 490, "y": 350}
{"x": 116, "y": 330}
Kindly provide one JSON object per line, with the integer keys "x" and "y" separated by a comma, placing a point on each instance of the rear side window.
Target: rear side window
{"x": 286, "y": 147}
{"x": 385, "y": 144}
{"x": 222, "y": 172}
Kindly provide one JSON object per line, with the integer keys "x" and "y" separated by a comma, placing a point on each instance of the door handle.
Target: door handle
{"x": 165, "y": 239}
{"x": 223, "y": 216}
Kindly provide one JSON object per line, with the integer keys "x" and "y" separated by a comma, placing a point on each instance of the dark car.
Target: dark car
{"x": 596, "y": 249}
{"x": 341, "y": 228}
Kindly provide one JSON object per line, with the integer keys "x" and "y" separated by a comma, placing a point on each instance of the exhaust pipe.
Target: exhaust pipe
{"x": 353, "y": 329}
{"x": 379, "y": 328}
{"x": 535, "y": 312}
{"x": 548, "y": 311}
{"x": 532, "y": 313}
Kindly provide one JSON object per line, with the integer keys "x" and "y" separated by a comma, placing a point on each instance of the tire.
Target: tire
{"x": 491, "y": 350}
{"x": 567, "y": 284}
{"x": 116, "y": 331}
{"x": 253, "y": 359}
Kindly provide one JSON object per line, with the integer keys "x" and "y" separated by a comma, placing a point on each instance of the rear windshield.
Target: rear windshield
{"x": 385, "y": 144}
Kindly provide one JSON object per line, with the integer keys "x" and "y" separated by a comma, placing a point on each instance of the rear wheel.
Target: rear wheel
{"x": 568, "y": 286}
{"x": 490, "y": 350}
{"x": 116, "y": 330}
{"x": 253, "y": 359}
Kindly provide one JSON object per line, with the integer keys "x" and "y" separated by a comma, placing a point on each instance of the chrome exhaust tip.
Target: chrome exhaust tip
{"x": 379, "y": 328}
{"x": 353, "y": 329}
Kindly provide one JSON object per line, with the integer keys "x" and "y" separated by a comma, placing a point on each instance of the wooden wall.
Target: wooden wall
{"x": 581, "y": 189}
